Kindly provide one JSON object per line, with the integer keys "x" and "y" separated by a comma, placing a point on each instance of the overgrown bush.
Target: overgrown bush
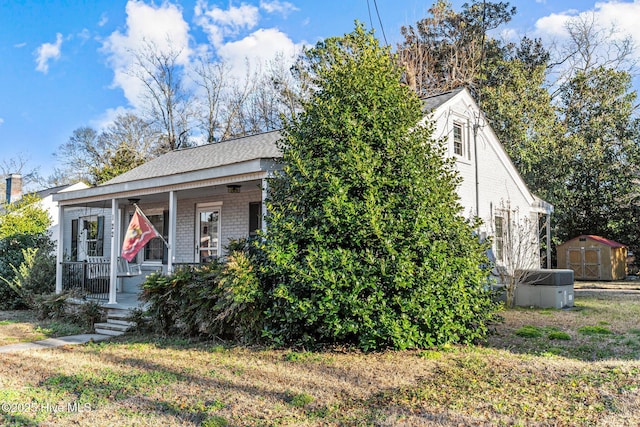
{"x": 51, "y": 306}
{"x": 367, "y": 243}
{"x": 58, "y": 307}
{"x": 220, "y": 299}
{"x": 27, "y": 269}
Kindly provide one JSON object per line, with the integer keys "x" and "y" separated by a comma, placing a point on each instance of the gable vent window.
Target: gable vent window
{"x": 458, "y": 142}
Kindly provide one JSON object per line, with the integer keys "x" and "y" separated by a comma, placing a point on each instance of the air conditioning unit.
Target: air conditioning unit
{"x": 546, "y": 288}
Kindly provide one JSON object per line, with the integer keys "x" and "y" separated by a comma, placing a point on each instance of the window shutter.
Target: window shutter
{"x": 74, "y": 240}
{"x": 100, "y": 237}
{"x": 255, "y": 217}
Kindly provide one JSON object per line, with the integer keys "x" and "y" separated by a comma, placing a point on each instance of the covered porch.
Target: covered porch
{"x": 198, "y": 199}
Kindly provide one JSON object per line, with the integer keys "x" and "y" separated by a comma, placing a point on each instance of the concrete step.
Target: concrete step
{"x": 108, "y": 328}
{"x": 120, "y": 322}
{"x": 120, "y": 318}
{"x": 109, "y": 332}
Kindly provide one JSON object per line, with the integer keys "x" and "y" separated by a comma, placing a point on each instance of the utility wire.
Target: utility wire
{"x": 375, "y": 4}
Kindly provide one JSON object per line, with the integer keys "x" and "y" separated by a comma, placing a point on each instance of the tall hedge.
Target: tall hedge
{"x": 366, "y": 242}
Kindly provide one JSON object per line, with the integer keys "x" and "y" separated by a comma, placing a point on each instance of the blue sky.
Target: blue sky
{"x": 62, "y": 62}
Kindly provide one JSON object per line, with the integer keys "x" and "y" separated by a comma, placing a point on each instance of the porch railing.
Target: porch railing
{"x": 91, "y": 279}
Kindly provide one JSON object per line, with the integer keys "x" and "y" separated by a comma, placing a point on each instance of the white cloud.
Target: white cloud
{"x": 108, "y": 117}
{"x": 103, "y": 20}
{"x": 259, "y": 47}
{"x": 621, "y": 15}
{"x": 1, "y": 121}
{"x": 46, "y": 53}
{"x": 161, "y": 26}
{"x": 275, "y": 6}
{"x": 220, "y": 23}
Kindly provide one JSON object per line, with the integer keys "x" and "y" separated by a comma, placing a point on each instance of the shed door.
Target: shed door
{"x": 585, "y": 263}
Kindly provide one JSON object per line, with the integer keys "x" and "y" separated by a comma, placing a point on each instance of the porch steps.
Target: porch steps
{"x": 116, "y": 324}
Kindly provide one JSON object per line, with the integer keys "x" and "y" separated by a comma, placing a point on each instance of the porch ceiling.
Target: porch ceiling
{"x": 162, "y": 195}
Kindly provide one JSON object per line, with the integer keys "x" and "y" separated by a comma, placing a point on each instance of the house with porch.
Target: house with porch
{"x": 200, "y": 198}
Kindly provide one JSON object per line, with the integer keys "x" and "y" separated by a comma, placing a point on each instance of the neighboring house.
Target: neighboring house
{"x": 199, "y": 198}
{"x": 12, "y": 191}
{"x": 51, "y": 206}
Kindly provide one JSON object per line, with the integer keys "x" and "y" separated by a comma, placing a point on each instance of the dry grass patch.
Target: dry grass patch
{"x": 512, "y": 380}
{"x": 21, "y": 326}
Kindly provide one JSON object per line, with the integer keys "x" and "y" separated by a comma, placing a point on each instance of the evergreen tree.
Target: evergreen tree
{"x": 366, "y": 241}
{"x": 599, "y": 157}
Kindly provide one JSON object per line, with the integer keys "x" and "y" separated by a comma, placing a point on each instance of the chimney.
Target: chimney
{"x": 14, "y": 188}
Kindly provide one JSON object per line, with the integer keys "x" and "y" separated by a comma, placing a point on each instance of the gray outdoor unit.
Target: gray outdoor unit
{"x": 546, "y": 289}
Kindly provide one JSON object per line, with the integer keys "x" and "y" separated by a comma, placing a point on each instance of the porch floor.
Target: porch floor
{"x": 124, "y": 301}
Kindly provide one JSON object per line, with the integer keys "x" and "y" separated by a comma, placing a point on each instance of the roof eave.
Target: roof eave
{"x": 110, "y": 190}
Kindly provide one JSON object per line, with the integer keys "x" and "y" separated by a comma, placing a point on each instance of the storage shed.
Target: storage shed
{"x": 593, "y": 258}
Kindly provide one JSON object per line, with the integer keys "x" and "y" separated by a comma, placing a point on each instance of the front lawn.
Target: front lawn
{"x": 545, "y": 367}
{"x": 21, "y": 326}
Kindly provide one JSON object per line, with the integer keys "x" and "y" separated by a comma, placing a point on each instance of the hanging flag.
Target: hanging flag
{"x": 140, "y": 231}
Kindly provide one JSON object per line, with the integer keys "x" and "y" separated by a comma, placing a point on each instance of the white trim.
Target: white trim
{"x": 173, "y": 210}
{"x": 216, "y": 206}
{"x": 113, "y": 279}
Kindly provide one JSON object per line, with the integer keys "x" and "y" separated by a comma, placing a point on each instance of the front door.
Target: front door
{"x": 207, "y": 233}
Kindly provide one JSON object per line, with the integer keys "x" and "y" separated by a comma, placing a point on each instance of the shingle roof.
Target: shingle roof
{"x": 432, "y": 102}
{"x": 261, "y": 146}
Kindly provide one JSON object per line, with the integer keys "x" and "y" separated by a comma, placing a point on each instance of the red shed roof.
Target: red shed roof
{"x": 599, "y": 239}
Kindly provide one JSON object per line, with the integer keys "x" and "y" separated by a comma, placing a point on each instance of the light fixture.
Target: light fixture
{"x": 133, "y": 201}
{"x": 233, "y": 188}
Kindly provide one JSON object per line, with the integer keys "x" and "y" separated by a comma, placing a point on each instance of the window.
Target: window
{"x": 87, "y": 237}
{"x": 154, "y": 249}
{"x": 499, "y": 225}
{"x": 255, "y": 218}
{"x": 458, "y": 141}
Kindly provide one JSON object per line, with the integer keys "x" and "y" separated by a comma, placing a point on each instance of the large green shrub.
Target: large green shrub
{"x": 366, "y": 241}
{"x": 30, "y": 277}
{"x": 221, "y": 299}
{"x": 23, "y": 227}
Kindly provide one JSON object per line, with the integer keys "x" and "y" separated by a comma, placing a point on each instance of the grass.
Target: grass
{"x": 534, "y": 378}
{"x": 21, "y": 326}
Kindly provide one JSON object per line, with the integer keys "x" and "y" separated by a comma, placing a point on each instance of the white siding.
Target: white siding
{"x": 498, "y": 183}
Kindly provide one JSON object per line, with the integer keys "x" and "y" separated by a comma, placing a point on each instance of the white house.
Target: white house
{"x": 12, "y": 191}
{"x": 47, "y": 203}
{"x": 492, "y": 189}
{"x": 199, "y": 198}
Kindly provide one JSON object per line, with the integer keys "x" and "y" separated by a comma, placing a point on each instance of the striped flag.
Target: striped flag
{"x": 139, "y": 232}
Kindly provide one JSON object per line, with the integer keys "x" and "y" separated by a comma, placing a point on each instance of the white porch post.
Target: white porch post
{"x": 115, "y": 247}
{"x": 265, "y": 194}
{"x": 173, "y": 213}
{"x": 60, "y": 249}
{"x": 548, "y": 238}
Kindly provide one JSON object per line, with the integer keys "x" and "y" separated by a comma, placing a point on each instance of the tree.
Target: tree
{"x": 516, "y": 241}
{"x": 212, "y": 79}
{"x": 94, "y": 157}
{"x": 518, "y": 106}
{"x": 23, "y": 229}
{"x": 19, "y": 165}
{"x": 23, "y": 217}
{"x": 447, "y": 49}
{"x": 599, "y": 156}
{"x": 165, "y": 98}
{"x": 366, "y": 241}
{"x": 591, "y": 46}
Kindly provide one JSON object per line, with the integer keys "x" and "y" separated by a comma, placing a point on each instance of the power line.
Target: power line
{"x": 375, "y": 4}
